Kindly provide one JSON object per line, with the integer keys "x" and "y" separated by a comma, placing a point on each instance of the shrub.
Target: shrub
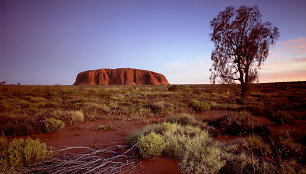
{"x": 39, "y": 105}
{"x": 241, "y": 160}
{"x": 3, "y": 143}
{"x": 191, "y": 144}
{"x": 174, "y": 87}
{"x": 21, "y": 103}
{"x": 78, "y": 105}
{"x": 240, "y": 123}
{"x": 256, "y": 144}
{"x": 176, "y": 137}
{"x": 175, "y": 145}
{"x": 21, "y": 152}
{"x": 231, "y": 107}
{"x": 201, "y": 157}
{"x": 255, "y": 109}
{"x": 37, "y": 99}
{"x": 76, "y": 116}
{"x": 160, "y": 108}
{"x": 194, "y": 146}
{"x": 151, "y": 145}
{"x": 134, "y": 136}
{"x": 53, "y": 125}
{"x": 239, "y": 101}
{"x": 52, "y": 104}
{"x": 281, "y": 117}
{"x": 199, "y": 106}
{"x": 291, "y": 167}
{"x": 183, "y": 120}
{"x": 187, "y": 119}
{"x": 288, "y": 148}
{"x": 6, "y": 107}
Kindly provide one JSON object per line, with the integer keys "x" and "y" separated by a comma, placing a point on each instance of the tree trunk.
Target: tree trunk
{"x": 245, "y": 86}
{"x": 243, "y": 90}
{"x": 241, "y": 78}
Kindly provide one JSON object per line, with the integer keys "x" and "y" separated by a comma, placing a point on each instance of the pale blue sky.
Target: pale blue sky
{"x": 50, "y": 41}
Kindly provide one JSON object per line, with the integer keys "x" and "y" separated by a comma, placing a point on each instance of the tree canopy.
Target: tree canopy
{"x": 242, "y": 43}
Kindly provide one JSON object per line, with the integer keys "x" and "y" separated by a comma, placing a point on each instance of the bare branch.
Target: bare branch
{"x": 104, "y": 159}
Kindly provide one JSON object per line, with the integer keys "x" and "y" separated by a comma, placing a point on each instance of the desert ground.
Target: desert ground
{"x": 153, "y": 129}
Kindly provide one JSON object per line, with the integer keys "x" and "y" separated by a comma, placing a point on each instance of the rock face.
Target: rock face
{"x": 120, "y": 76}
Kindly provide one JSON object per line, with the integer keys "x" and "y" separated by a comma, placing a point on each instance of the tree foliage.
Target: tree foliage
{"x": 242, "y": 43}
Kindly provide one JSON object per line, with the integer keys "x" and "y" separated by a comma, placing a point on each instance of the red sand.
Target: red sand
{"x": 86, "y": 134}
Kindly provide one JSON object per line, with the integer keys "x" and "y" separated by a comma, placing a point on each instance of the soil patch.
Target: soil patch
{"x": 86, "y": 134}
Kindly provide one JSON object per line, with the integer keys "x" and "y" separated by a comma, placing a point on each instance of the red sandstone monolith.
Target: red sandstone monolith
{"x": 120, "y": 76}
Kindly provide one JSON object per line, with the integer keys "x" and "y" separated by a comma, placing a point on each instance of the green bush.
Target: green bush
{"x": 183, "y": 120}
{"x": 240, "y": 159}
{"x": 199, "y": 106}
{"x": 187, "y": 119}
{"x": 194, "y": 146}
{"x": 134, "y": 136}
{"x": 201, "y": 156}
{"x": 189, "y": 143}
{"x": 151, "y": 145}
{"x": 175, "y": 145}
{"x": 160, "y": 108}
{"x": 76, "y": 116}
{"x": 53, "y": 125}
{"x": 21, "y": 152}
{"x": 176, "y": 137}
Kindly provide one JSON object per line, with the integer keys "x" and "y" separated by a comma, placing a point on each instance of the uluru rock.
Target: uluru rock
{"x": 120, "y": 76}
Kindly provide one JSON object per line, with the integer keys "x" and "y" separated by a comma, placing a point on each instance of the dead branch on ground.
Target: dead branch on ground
{"x": 103, "y": 159}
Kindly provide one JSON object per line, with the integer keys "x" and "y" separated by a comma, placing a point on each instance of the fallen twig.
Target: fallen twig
{"x": 105, "y": 159}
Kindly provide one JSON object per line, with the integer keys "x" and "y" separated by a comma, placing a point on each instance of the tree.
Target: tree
{"x": 242, "y": 43}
